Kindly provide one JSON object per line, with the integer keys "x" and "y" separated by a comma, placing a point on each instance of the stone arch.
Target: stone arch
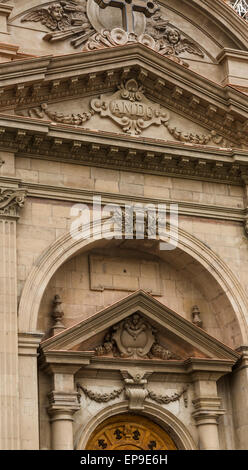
{"x": 66, "y": 247}
{"x": 164, "y": 418}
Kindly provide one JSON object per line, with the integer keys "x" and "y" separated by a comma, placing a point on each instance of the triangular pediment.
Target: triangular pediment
{"x": 130, "y": 109}
{"x": 139, "y": 327}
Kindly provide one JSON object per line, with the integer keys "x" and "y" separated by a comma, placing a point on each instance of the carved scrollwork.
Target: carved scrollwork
{"x": 11, "y": 201}
{"x": 100, "y": 397}
{"x": 129, "y": 108}
{"x": 134, "y": 337}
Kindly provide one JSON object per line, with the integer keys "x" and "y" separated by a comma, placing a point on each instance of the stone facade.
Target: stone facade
{"x": 147, "y": 110}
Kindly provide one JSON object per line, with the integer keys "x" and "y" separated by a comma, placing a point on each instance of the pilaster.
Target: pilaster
{"x": 10, "y": 202}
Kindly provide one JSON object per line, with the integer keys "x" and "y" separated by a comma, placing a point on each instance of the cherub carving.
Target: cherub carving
{"x": 65, "y": 19}
{"x": 170, "y": 38}
{"x": 54, "y": 17}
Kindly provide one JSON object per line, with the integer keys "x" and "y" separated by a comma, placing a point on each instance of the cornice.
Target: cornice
{"x": 42, "y": 139}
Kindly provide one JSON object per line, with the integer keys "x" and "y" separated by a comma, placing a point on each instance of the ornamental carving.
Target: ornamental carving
{"x": 202, "y": 139}
{"x": 129, "y": 108}
{"x": 134, "y": 338}
{"x": 89, "y": 24}
{"x": 11, "y": 201}
{"x": 42, "y": 111}
{"x": 166, "y": 399}
{"x": 100, "y": 397}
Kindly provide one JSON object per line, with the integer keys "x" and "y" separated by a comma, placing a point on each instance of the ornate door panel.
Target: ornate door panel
{"x": 129, "y": 432}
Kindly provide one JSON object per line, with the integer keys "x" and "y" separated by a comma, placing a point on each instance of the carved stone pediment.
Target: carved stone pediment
{"x": 137, "y": 329}
{"x": 129, "y": 110}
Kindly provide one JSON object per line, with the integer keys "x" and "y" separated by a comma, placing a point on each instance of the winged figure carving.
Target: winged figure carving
{"x": 169, "y": 38}
{"x": 65, "y": 19}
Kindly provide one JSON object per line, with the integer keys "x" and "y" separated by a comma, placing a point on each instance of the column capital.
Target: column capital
{"x": 11, "y": 200}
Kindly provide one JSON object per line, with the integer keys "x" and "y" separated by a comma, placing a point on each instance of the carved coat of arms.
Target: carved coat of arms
{"x": 134, "y": 338}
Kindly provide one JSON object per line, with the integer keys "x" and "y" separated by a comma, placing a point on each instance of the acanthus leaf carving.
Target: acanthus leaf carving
{"x": 134, "y": 338}
{"x": 11, "y": 200}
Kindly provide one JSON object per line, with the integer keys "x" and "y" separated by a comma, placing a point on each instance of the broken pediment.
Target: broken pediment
{"x": 91, "y": 24}
{"x": 138, "y": 328}
{"x": 127, "y": 110}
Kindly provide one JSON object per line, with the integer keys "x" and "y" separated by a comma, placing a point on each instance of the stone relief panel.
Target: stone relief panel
{"x": 119, "y": 274}
{"x": 96, "y": 24}
{"x": 134, "y": 338}
{"x": 127, "y": 110}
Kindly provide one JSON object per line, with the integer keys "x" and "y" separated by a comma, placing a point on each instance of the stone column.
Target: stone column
{"x": 10, "y": 201}
{"x": 64, "y": 403}
{"x": 207, "y": 409}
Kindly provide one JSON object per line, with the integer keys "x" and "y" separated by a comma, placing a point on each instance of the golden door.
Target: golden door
{"x": 129, "y": 432}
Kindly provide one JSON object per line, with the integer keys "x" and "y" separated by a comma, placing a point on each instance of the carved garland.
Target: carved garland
{"x": 100, "y": 397}
{"x": 165, "y": 399}
{"x": 106, "y": 397}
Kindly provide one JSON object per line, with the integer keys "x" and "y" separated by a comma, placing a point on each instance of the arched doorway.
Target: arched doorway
{"x": 129, "y": 432}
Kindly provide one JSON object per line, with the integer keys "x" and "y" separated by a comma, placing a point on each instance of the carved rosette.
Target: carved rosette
{"x": 11, "y": 201}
